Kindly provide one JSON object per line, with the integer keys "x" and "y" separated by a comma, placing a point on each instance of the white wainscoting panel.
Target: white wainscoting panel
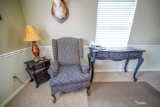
{"x": 13, "y": 64}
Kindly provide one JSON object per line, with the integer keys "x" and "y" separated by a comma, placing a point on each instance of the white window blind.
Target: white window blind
{"x": 114, "y": 21}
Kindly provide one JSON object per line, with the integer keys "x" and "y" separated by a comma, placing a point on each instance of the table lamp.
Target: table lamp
{"x": 31, "y": 35}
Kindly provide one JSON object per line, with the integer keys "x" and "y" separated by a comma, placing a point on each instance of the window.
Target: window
{"x": 114, "y": 21}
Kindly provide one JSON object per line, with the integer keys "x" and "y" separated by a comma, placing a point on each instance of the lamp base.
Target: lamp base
{"x": 36, "y": 59}
{"x": 35, "y": 51}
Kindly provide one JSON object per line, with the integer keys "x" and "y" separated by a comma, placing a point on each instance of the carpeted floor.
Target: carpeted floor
{"x": 30, "y": 96}
{"x": 123, "y": 94}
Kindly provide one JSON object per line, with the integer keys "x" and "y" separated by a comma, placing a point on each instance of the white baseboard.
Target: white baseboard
{"x": 12, "y": 95}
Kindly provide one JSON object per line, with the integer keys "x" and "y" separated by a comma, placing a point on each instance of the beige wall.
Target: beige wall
{"x": 11, "y": 26}
{"x": 81, "y": 22}
{"x": 146, "y": 24}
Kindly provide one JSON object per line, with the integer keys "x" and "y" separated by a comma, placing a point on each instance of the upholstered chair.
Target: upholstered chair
{"x": 69, "y": 71}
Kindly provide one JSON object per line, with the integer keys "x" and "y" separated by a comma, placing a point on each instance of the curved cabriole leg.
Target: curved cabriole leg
{"x": 88, "y": 91}
{"x": 53, "y": 95}
{"x": 125, "y": 70}
{"x": 140, "y": 61}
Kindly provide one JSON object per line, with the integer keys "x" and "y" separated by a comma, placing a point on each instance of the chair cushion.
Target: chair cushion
{"x": 70, "y": 74}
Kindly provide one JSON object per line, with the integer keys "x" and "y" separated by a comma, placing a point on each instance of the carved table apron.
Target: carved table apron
{"x": 116, "y": 54}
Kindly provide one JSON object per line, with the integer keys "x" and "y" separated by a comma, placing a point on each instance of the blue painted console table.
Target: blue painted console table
{"x": 116, "y": 54}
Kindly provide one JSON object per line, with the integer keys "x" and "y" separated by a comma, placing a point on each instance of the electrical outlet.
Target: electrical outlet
{"x": 14, "y": 78}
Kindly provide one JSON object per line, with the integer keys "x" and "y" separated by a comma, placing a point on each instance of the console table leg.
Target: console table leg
{"x": 140, "y": 61}
{"x": 92, "y": 74}
{"x": 125, "y": 70}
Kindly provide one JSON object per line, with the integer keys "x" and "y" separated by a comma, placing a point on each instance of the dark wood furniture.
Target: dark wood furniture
{"x": 38, "y": 70}
{"x": 116, "y": 54}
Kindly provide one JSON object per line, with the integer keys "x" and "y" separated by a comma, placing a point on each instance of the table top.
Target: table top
{"x": 116, "y": 49}
{"x": 32, "y": 63}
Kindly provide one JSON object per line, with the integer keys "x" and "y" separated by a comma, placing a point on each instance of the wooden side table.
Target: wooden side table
{"x": 38, "y": 71}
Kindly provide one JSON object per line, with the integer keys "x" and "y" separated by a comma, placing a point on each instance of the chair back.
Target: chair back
{"x": 67, "y": 50}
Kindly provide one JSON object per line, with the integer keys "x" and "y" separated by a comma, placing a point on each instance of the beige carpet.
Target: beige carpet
{"x": 30, "y": 96}
{"x": 123, "y": 94}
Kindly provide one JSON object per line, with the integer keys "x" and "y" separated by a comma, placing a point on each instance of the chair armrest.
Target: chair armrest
{"x": 84, "y": 65}
{"x": 53, "y": 69}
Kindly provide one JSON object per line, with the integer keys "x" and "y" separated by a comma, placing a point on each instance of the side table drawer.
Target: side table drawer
{"x": 119, "y": 55}
{"x": 102, "y": 55}
{"x": 41, "y": 65}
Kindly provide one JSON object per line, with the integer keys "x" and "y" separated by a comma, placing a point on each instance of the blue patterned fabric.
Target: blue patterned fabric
{"x": 53, "y": 69}
{"x": 68, "y": 51}
{"x": 69, "y": 72}
{"x": 84, "y": 65}
{"x": 69, "y": 75}
{"x": 69, "y": 87}
{"x": 81, "y": 48}
{"x": 55, "y": 49}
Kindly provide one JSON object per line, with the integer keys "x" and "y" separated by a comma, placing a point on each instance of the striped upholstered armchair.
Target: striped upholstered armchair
{"x": 69, "y": 72}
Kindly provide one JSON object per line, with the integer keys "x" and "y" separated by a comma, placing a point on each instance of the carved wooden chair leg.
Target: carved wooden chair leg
{"x": 88, "y": 90}
{"x": 53, "y": 95}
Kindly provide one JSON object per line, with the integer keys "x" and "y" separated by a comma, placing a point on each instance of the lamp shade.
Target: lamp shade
{"x": 31, "y": 34}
